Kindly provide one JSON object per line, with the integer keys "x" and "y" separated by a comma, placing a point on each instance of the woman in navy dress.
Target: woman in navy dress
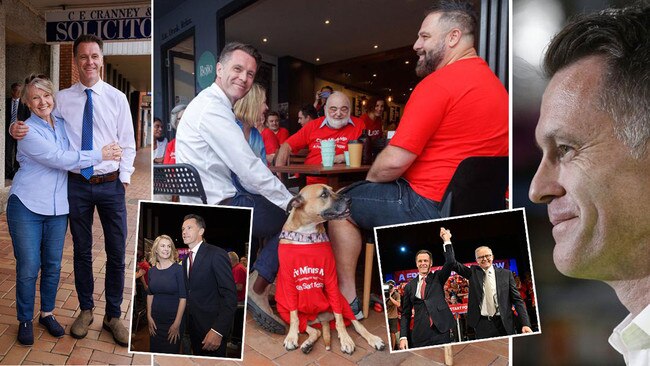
{"x": 166, "y": 298}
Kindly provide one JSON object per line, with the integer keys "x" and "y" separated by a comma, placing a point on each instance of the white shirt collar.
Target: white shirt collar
{"x": 98, "y": 88}
{"x": 221, "y": 94}
{"x": 325, "y": 123}
{"x": 632, "y": 334}
{"x": 196, "y": 248}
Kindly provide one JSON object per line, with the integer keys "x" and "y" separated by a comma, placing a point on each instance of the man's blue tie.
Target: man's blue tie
{"x": 87, "y": 131}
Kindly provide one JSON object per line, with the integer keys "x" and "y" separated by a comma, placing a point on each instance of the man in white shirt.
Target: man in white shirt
{"x": 211, "y": 141}
{"x": 593, "y": 131}
{"x": 109, "y": 120}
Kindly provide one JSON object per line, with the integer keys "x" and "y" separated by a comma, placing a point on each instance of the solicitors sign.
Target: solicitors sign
{"x": 109, "y": 24}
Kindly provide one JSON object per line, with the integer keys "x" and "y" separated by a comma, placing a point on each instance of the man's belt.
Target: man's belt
{"x": 491, "y": 318}
{"x": 96, "y": 179}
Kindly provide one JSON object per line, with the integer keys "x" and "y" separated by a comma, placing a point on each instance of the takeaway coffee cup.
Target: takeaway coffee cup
{"x": 355, "y": 149}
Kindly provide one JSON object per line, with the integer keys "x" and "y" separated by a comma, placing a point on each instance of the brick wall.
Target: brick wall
{"x": 68, "y": 73}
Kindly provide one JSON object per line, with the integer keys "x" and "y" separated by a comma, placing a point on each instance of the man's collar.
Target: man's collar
{"x": 633, "y": 333}
{"x": 222, "y": 94}
{"x": 98, "y": 88}
{"x": 196, "y": 247}
{"x": 326, "y": 123}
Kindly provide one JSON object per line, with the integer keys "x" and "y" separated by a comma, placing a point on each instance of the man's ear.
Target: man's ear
{"x": 454, "y": 36}
{"x": 296, "y": 202}
{"x": 219, "y": 70}
{"x": 201, "y": 231}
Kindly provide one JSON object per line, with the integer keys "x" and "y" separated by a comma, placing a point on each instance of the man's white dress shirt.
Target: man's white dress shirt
{"x": 112, "y": 122}
{"x": 210, "y": 140}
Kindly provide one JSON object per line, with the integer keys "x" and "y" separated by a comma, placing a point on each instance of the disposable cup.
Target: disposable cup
{"x": 355, "y": 149}
{"x": 347, "y": 157}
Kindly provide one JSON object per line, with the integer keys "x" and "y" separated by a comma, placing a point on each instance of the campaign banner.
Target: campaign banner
{"x": 110, "y": 24}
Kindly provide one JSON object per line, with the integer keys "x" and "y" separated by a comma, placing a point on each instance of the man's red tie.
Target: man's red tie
{"x": 422, "y": 288}
{"x": 424, "y": 285}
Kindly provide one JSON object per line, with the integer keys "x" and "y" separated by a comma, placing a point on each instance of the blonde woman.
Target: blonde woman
{"x": 166, "y": 298}
{"x": 250, "y": 112}
{"x": 37, "y": 208}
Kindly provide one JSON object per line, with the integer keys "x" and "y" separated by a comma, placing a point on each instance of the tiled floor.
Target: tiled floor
{"x": 263, "y": 348}
{"x": 98, "y": 348}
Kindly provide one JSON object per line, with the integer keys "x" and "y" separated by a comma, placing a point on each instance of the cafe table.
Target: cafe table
{"x": 336, "y": 175}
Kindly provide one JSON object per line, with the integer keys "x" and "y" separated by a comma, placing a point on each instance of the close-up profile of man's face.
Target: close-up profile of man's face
{"x": 597, "y": 193}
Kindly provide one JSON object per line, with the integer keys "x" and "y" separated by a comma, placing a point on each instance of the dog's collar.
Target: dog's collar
{"x": 304, "y": 238}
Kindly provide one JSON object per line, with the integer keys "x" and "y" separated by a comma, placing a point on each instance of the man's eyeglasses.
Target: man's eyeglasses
{"x": 486, "y": 257}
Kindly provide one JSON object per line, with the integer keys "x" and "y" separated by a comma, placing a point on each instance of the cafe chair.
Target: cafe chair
{"x": 178, "y": 179}
{"x": 478, "y": 185}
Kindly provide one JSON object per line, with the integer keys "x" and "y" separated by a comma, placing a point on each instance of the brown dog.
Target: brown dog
{"x": 307, "y": 289}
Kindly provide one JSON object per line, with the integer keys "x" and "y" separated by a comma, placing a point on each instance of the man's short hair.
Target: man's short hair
{"x": 199, "y": 220}
{"x": 16, "y": 85}
{"x": 456, "y": 13}
{"x": 272, "y": 113}
{"x": 309, "y": 110}
{"x": 231, "y": 47}
{"x": 327, "y": 87}
{"x": 621, "y": 38}
{"x": 87, "y": 38}
{"x": 479, "y": 248}
{"x": 424, "y": 251}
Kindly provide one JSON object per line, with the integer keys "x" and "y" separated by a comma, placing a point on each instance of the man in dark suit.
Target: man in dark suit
{"x": 425, "y": 294}
{"x": 211, "y": 295}
{"x": 492, "y": 293}
{"x": 15, "y": 110}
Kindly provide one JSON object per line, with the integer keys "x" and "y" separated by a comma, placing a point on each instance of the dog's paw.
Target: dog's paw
{"x": 291, "y": 341}
{"x": 307, "y": 347}
{"x": 376, "y": 342}
{"x": 347, "y": 344}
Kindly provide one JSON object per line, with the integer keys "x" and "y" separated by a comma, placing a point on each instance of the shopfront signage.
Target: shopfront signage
{"x": 109, "y": 24}
{"x": 206, "y": 70}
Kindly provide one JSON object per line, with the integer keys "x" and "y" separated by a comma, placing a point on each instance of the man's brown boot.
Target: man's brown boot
{"x": 119, "y": 332}
{"x": 80, "y": 326}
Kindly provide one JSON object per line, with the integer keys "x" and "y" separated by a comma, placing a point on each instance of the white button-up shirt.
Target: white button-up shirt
{"x": 112, "y": 122}
{"x": 211, "y": 141}
{"x": 631, "y": 338}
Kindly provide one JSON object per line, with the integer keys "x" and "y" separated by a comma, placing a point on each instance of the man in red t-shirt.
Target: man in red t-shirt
{"x": 338, "y": 125}
{"x": 273, "y": 124}
{"x": 373, "y": 117}
{"x": 458, "y": 110}
{"x": 240, "y": 274}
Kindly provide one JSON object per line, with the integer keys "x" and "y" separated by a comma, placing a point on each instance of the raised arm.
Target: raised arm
{"x": 450, "y": 256}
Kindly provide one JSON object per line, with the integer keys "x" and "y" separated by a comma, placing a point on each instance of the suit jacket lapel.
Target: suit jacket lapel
{"x": 480, "y": 278}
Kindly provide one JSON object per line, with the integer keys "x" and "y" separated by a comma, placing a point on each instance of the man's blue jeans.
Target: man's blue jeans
{"x": 38, "y": 245}
{"x": 268, "y": 220}
{"x": 379, "y": 204}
